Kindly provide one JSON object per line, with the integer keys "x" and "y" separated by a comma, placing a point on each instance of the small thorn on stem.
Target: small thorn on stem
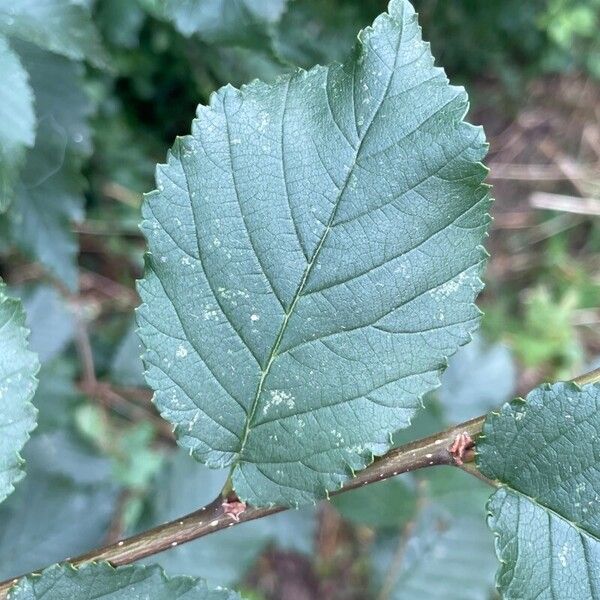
{"x": 233, "y": 506}
{"x": 462, "y": 442}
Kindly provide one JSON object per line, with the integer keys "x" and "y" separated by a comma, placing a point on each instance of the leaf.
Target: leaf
{"x": 315, "y": 254}
{"x": 223, "y": 557}
{"x": 50, "y": 320}
{"x": 63, "y": 508}
{"x": 61, "y": 26}
{"x": 56, "y": 395}
{"x": 480, "y": 377}
{"x": 49, "y": 197}
{"x": 17, "y": 120}
{"x": 60, "y": 96}
{"x": 224, "y": 22}
{"x": 545, "y": 453}
{"x": 18, "y": 367}
{"x": 100, "y": 580}
{"x": 448, "y": 555}
{"x": 120, "y": 22}
{"x": 313, "y": 32}
{"x": 126, "y": 367}
{"x": 448, "y": 558}
{"x": 385, "y": 505}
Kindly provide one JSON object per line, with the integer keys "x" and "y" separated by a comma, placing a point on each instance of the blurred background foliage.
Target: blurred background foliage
{"x": 97, "y": 91}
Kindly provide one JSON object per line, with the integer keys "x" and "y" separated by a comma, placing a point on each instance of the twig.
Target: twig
{"x": 433, "y": 450}
{"x": 120, "y": 193}
{"x": 84, "y": 350}
{"x": 565, "y": 164}
{"x": 538, "y": 172}
{"x": 570, "y": 204}
{"x": 111, "y": 398}
{"x": 429, "y": 451}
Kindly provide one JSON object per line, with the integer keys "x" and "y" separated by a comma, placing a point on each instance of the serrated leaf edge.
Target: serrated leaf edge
{"x": 28, "y": 405}
{"x": 478, "y": 284}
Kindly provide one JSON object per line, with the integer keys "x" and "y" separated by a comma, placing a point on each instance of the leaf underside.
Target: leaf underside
{"x": 315, "y": 251}
{"x": 18, "y": 367}
{"x": 546, "y": 515}
{"x": 100, "y": 580}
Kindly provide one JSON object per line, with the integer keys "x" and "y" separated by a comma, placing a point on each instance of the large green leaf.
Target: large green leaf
{"x": 17, "y": 120}
{"x": 18, "y": 367}
{"x": 100, "y": 580}
{"x": 226, "y": 22}
{"x": 62, "y": 26}
{"x": 314, "y": 257}
{"x": 545, "y": 451}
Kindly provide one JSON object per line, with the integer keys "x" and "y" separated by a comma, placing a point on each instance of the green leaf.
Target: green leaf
{"x": 50, "y": 319}
{"x": 100, "y": 580}
{"x": 63, "y": 508}
{"x": 56, "y": 395}
{"x": 315, "y": 32}
{"x": 126, "y": 367}
{"x": 384, "y": 505}
{"x": 480, "y": 377}
{"x": 62, "y": 26}
{"x": 314, "y": 257}
{"x": 17, "y": 120}
{"x": 60, "y": 97}
{"x": 18, "y": 367}
{"x": 449, "y": 557}
{"x": 223, "y": 557}
{"x": 239, "y": 23}
{"x": 448, "y": 554}
{"x": 120, "y": 22}
{"x": 49, "y": 199}
{"x": 545, "y": 453}
{"x": 49, "y": 196}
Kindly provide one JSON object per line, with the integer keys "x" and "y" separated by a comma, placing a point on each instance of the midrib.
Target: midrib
{"x": 307, "y": 271}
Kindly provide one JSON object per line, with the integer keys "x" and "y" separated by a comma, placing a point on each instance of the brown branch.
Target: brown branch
{"x": 433, "y": 450}
{"x": 429, "y": 451}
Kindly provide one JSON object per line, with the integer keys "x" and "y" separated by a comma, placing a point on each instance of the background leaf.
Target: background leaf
{"x": 480, "y": 377}
{"x": 50, "y": 319}
{"x": 62, "y": 26}
{"x": 327, "y": 269}
{"x": 49, "y": 196}
{"x": 545, "y": 453}
{"x": 17, "y": 120}
{"x": 18, "y": 367}
{"x": 238, "y": 22}
{"x": 447, "y": 554}
{"x": 64, "y": 507}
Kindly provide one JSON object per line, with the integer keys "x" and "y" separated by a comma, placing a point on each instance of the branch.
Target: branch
{"x": 433, "y": 450}
{"x": 438, "y": 449}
